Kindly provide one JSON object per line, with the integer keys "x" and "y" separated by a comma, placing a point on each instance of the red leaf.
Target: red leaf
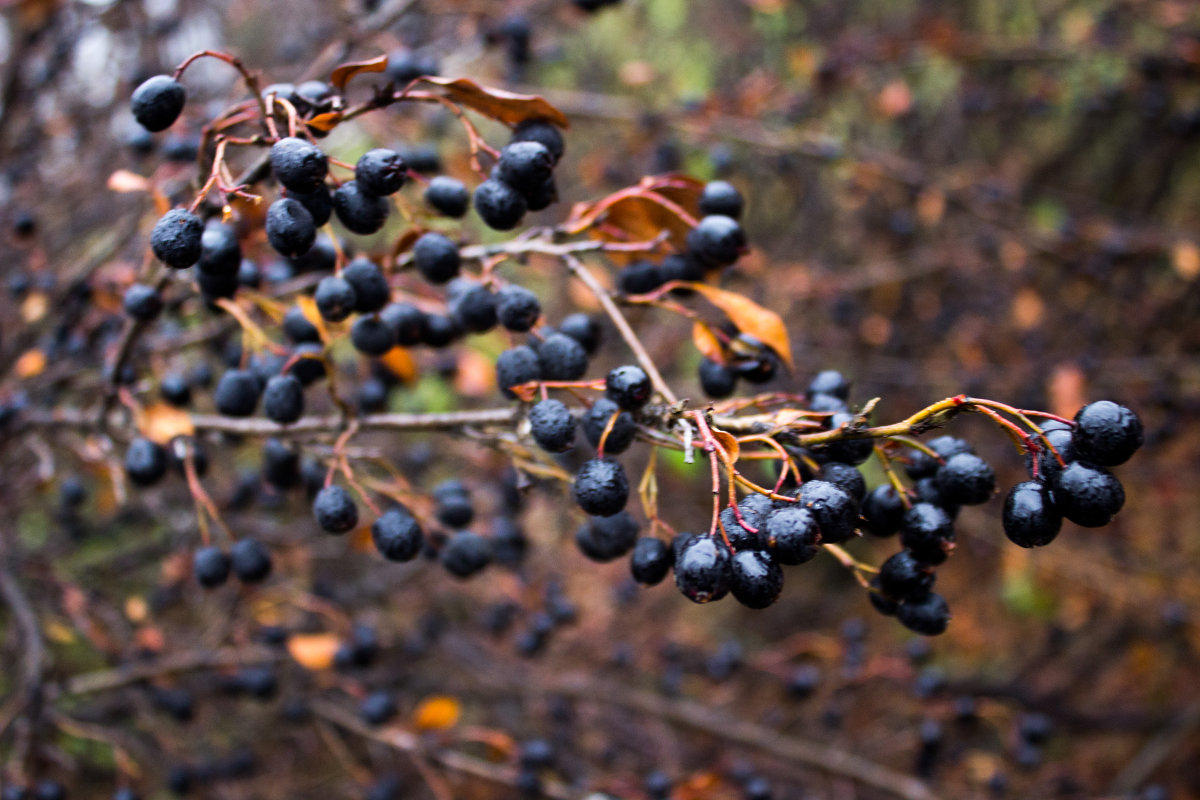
{"x": 507, "y": 107}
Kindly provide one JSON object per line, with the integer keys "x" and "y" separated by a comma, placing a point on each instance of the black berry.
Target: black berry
{"x": 605, "y": 539}
{"x": 283, "y": 399}
{"x": 601, "y": 488}
{"x": 702, "y": 569}
{"x": 499, "y": 205}
{"x": 407, "y": 322}
{"x": 835, "y": 510}
{"x": 145, "y": 462}
{"x": 966, "y": 479}
{"x": 381, "y": 171}
{"x": 792, "y": 534}
{"x": 596, "y": 418}
{"x": 562, "y": 358}
{"x": 448, "y": 195}
{"x": 372, "y": 336}
{"x": 846, "y": 477}
{"x": 318, "y": 203}
{"x": 717, "y": 380}
{"x": 397, "y": 535}
{"x": 358, "y": 209}
{"x": 465, "y": 554}
{"x": 211, "y": 567}
{"x": 582, "y": 329}
{"x": 517, "y": 308}
{"x": 1030, "y": 517}
{"x": 928, "y": 532}
{"x": 220, "y": 253}
{"x": 756, "y": 578}
{"x": 377, "y": 708}
{"x": 436, "y": 257}
{"x": 928, "y": 615}
{"x": 525, "y": 165}
{"x": 371, "y": 290}
{"x": 552, "y": 426}
{"x": 1087, "y": 495}
{"x": 176, "y": 238}
{"x": 237, "y": 393}
{"x": 334, "y": 510}
{"x": 516, "y": 366}
{"x": 628, "y": 386}
{"x": 298, "y": 165}
{"x": 1107, "y": 434}
{"x": 640, "y": 277}
{"x": 904, "y": 577}
{"x": 251, "y": 560}
{"x": 335, "y": 298}
{"x": 297, "y": 327}
{"x": 717, "y": 240}
{"x": 651, "y": 560}
{"x": 542, "y": 131}
{"x": 158, "y": 102}
{"x": 474, "y": 307}
{"x": 882, "y": 511}
{"x": 142, "y": 302}
{"x": 721, "y": 197}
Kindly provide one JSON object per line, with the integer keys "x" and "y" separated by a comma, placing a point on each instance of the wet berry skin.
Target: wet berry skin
{"x": 142, "y": 302}
{"x": 145, "y": 462}
{"x": 1062, "y": 439}
{"x": 298, "y": 165}
{"x": 604, "y": 539}
{"x": 966, "y": 479}
{"x": 904, "y": 577}
{"x": 882, "y": 511}
{"x": 756, "y": 578}
{"x": 211, "y": 567}
{"x": 834, "y": 508}
{"x": 628, "y": 386}
{"x": 517, "y": 308}
{"x": 251, "y": 560}
{"x": 176, "y": 238}
{"x": 721, "y": 197}
{"x": 335, "y": 298}
{"x": 582, "y": 329}
{"x": 1030, "y": 517}
{"x": 290, "y": 227}
{"x": 928, "y": 616}
{"x": 397, "y": 535}
{"x": 283, "y": 399}
{"x": 359, "y": 210}
{"x": 793, "y": 534}
{"x": 381, "y": 171}
{"x": 1087, "y": 495}
{"x": 372, "y": 336}
{"x": 601, "y": 487}
{"x": 928, "y": 532}
{"x": 525, "y": 165}
{"x": 623, "y": 430}
{"x": 515, "y": 366}
{"x": 334, "y": 510}
{"x": 1106, "y": 433}
{"x": 562, "y": 358}
{"x": 436, "y": 257}
{"x": 500, "y": 206}
{"x": 717, "y": 240}
{"x": 465, "y": 554}
{"x": 158, "y": 102}
{"x": 552, "y": 426}
{"x": 702, "y": 569}
{"x": 407, "y": 322}
{"x": 651, "y": 560}
{"x": 448, "y": 195}
{"x": 543, "y": 132}
{"x": 237, "y": 393}
{"x": 371, "y": 290}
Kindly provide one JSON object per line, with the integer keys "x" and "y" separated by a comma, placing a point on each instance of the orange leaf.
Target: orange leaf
{"x": 679, "y": 189}
{"x": 342, "y": 73}
{"x": 476, "y": 374}
{"x": 400, "y": 363}
{"x": 436, "y": 713}
{"x": 31, "y": 363}
{"x": 507, "y": 107}
{"x": 313, "y": 651}
{"x": 729, "y": 442}
{"x": 751, "y": 318}
{"x": 124, "y": 181}
{"x": 707, "y": 342}
{"x": 633, "y": 214}
{"x": 308, "y": 307}
{"x": 325, "y": 122}
{"x": 161, "y": 423}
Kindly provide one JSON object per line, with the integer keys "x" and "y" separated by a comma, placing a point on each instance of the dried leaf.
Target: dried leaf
{"x": 707, "y": 342}
{"x": 436, "y": 713}
{"x": 123, "y": 181}
{"x": 31, "y": 363}
{"x": 342, "y": 73}
{"x": 634, "y": 214}
{"x": 729, "y": 442}
{"x": 313, "y": 651}
{"x": 162, "y": 422}
{"x": 400, "y": 363}
{"x": 751, "y": 318}
{"x": 679, "y": 189}
{"x": 308, "y": 307}
{"x": 507, "y": 107}
{"x": 325, "y": 122}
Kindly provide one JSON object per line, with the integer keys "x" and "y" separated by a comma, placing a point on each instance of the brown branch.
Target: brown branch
{"x": 118, "y": 677}
{"x": 29, "y": 696}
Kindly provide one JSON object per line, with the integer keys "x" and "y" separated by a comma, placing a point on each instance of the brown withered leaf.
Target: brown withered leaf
{"x": 161, "y": 423}
{"x": 123, "y": 181}
{"x": 400, "y": 363}
{"x": 507, "y": 107}
{"x": 729, "y": 442}
{"x": 313, "y": 651}
{"x": 707, "y": 342}
{"x": 325, "y": 122}
{"x": 635, "y": 214}
{"x": 679, "y": 189}
{"x": 751, "y": 318}
{"x": 342, "y": 73}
